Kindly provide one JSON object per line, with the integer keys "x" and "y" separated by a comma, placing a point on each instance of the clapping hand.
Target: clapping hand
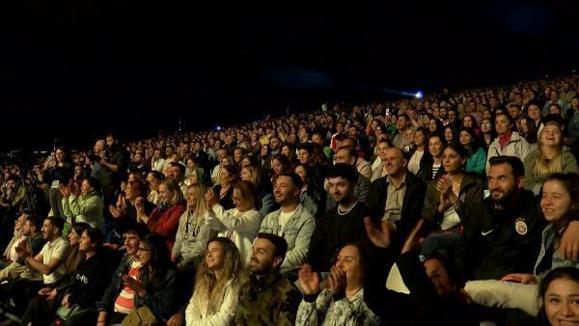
{"x": 309, "y": 280}
{"x": 336, "y": 280}
{"x": 23, "y": 249}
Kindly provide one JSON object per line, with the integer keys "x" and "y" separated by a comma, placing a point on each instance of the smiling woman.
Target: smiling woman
{"x": 559, "y": 292}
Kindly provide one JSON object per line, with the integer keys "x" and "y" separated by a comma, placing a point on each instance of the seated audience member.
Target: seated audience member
{"x": 164, "y": 220}
{"x": 436, "y": 292}
{"x": 254, "y": 174}
{"x": 193, "y": 232}
{"x": 10, "y": 254}
{"x": 224, "y": 190}
{"x": 559, "y": 200}
{"x": 508, "y": 141}
{"x": 420, "y": 147}
{"x": 477, "y": 155}
{"x": 177, "y": 173}
{"x": 154, "y": 180}
{"x": 292, "y": 221}
{"x": 431, "y": 163}
{"x": 49, "y": 263}
{"x": 506, "y": 236}
{"x": 344, "y": 300}
{"x": 216, "y": 294}
{"x": 267, "y": 298}
{"x": 487, "y": 128}
{"x": 347, "y": 155}
{"x": 240, "y": 223}
{"x": 398, "y": 197}
{"x": 31, "y": 238}
{"x": 86, "y": 206}
{"x": 450, "y": 201}
{"x": 310, "y": 196}
{"x": 118, "y": 299}
{"x": 77, "y": 302}
{"x": 279, "y": 164}
{"x": 125, "y": 210}
{"x": 378, "y": 169}
{"x": 341, "y": 224}
{"x": 155, "y": 289}
{"x": 549, "y": 156}
{"x": 558, "y": 293}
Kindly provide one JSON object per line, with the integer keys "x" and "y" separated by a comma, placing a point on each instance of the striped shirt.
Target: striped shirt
{"x": 125, "y": 301}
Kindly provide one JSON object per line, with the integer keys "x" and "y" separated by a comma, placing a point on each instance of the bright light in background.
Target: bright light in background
{"x": 218, "y": 128}
{"x": 417, "y": 95}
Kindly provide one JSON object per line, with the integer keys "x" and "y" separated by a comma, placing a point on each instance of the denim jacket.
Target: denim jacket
{"x": 297, "y": 233}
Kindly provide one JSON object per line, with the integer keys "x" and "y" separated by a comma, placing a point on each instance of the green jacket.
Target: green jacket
{"x": 87, "y": 209}
{"x": 477, "y": 161}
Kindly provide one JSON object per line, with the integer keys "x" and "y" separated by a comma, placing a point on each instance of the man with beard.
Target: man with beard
{"x": 506, "y": 236}
{"x": 340, "y": 225}
{"x": 292, "y": 221}
{"x": 267, "y": 298}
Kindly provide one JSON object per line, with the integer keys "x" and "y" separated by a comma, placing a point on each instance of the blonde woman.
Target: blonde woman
{"x": 241, "y": 223}
{"x": 164, "y": 219}
{"x": 216, "y": 292}
{"x": 549, "y": 157}
{"x": 193, "y": 232}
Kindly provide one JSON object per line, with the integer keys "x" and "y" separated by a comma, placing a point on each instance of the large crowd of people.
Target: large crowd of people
{"x": 459, "y": 208}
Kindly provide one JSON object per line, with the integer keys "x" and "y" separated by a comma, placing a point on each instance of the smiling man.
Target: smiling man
{"x": 292, "y": 221}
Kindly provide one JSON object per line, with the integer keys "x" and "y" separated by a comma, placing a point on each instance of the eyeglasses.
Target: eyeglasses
{"x": 144, "y": 249}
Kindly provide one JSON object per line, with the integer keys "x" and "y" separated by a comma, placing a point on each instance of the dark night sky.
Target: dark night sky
{"x": 73, "y": 68}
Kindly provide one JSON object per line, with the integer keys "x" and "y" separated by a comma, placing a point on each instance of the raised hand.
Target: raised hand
{"x": 309, "y": 280}
{"x": 380, "y": 236}
{"x": 413, "y": 240}
{"x": 210, "y": 198}
{"x": 64, "y": 190}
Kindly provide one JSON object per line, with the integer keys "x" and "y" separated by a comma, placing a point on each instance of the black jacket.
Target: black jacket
{"x": 470, "y": 196}
{"x": 92, "y": 277}
{"x": 411, "y": 205}
{"x": 425, "y": 171}
{"x": 499, "y": 242}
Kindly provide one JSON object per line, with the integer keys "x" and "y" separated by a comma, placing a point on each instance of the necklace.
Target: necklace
{"x": 347, "y": 210}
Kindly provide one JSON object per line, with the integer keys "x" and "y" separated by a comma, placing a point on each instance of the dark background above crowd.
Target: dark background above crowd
{"x": 77, "y": 68}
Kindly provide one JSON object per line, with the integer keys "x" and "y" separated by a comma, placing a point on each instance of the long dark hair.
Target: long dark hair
{"x": 160, "y": 261}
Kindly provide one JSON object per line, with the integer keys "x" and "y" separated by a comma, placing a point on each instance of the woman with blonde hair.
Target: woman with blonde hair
{"x": 215, "y": 296}
{"x": 241, "y": 223}
{"x": 549, "y": 156}
{"x": 193, "y": 232}
{"x": 164, "y": 219}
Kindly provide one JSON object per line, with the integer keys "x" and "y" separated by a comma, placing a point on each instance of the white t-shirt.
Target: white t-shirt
{"x": 54, "y": 249}
{"x": 283, "y": 219}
